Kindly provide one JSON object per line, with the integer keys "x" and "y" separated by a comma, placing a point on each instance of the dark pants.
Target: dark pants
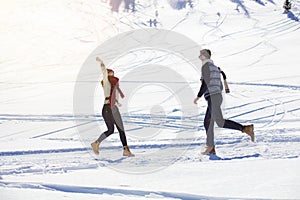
{"x": 214, "y": 114}
{"x": 112, "y": 117}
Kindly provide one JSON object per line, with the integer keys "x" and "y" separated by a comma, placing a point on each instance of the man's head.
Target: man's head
{"x": 205, "y": 54}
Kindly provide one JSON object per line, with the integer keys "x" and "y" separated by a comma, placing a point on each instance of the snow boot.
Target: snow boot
{"x": 127, "y": 152}
{"x": 95, "y": 147}
{"x": 213, "y": 151}
{"x": 209, "y": 150}
{"x": 249, "y": 130}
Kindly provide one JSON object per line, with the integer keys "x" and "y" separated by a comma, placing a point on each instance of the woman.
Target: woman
{"x": 110, "y": 111}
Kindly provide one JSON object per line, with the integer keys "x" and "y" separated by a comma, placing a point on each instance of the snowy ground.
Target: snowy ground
{"x": 44, "y": 144}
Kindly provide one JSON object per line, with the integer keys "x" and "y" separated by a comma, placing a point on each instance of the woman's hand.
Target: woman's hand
{"x": 98, "y": 59}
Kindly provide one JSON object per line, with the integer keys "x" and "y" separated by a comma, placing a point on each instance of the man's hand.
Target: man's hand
{"x": 195, "y": 100}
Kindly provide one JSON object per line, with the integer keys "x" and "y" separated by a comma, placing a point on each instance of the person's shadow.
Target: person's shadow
{"x": 292, "y": 16}
{"x": 216, "y": 157}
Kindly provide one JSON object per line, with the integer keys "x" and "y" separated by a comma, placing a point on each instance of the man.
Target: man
{"x": 211, "y": 88}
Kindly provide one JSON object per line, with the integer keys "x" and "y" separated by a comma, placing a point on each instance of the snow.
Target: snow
{"x": 45, "y": 143}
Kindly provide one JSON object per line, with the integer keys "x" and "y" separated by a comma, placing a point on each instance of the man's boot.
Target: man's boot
{"x": 213, "y": 151}
{"x": 95, "y": 146}
{"x": 249, "y": 130}
{"x": 209, "y": 150}
{"x": 127, "y": 152}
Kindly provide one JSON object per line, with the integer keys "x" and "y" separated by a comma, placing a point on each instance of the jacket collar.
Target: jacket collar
{"x": 206, "y": 61}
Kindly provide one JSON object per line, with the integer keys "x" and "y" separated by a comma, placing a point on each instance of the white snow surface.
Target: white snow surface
{"x": 44, "y": 154}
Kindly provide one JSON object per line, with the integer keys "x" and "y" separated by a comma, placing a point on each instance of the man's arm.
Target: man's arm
{"x": 203, "y": 88}
{"x": 223, "y": 74}
{"x": 225, "y": 81}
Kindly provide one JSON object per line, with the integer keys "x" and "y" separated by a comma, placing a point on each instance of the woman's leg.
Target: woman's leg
{"x": 120, "y": 127}
{"x": 119, "y": 123}
{"x": 109, "y": 121}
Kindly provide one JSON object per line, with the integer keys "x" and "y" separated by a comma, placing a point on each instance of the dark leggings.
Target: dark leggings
{"x": 214, "y": 114}
{"x": 112, "y": 117}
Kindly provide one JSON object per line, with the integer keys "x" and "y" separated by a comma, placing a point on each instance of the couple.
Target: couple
{"x": 211, "y": 88}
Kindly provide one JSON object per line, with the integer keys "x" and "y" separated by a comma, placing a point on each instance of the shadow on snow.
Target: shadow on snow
{"x": 216, "y": 157}
{"x": 109, "y": 191}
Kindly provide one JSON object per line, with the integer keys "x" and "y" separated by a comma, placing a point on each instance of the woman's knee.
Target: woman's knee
{"x": 110, "y": 131}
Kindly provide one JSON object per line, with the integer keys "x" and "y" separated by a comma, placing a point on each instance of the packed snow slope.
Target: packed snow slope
{"x": 45, "y": 145}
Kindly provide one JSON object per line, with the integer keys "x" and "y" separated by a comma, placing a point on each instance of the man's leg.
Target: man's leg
{"x": 209, "y": 125}
{"x": 209, "y": 128}
{"x": 217, "y": 114}
{"x": 221, "y": 122}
